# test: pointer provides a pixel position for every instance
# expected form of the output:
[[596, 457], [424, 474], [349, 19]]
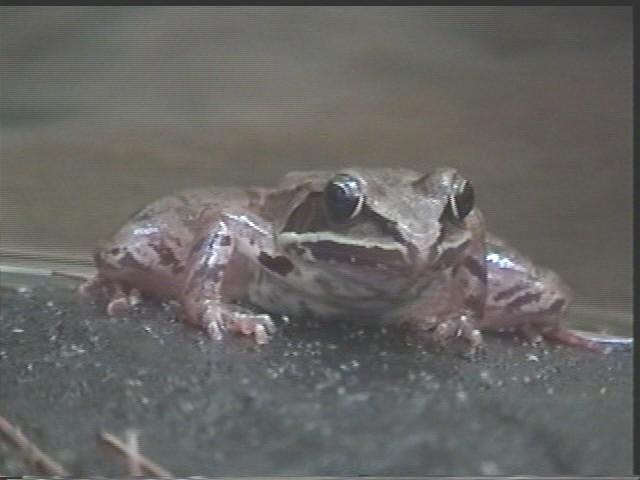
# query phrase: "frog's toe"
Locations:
[[213, 329], [117, 306], [218, 319], [458, 331], [258, 325], [575, 339], [121, 299], [93, 286], [211, 322]]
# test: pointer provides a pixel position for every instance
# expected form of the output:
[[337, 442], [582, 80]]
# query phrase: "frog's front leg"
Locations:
[[221, 265], [459, 302], [527, 299]]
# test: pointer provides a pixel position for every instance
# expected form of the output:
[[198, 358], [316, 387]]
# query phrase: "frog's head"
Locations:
[[377, 222]]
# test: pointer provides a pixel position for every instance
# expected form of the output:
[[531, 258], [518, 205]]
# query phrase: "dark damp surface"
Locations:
[[319, 399]]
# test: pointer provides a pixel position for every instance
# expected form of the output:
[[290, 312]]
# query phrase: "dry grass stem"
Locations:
[[32, 452], [135, 469], [134, 456]]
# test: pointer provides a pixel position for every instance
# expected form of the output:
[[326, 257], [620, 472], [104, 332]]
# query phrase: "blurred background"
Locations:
[[103, 109]]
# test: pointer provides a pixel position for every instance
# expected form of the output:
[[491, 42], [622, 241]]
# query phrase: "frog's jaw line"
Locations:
[[328, 247], [286, 239], [452, 246]]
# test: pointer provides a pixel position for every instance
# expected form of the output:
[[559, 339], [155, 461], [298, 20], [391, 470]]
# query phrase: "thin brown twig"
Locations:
[[72, 276], [148, 465], [33, 453]]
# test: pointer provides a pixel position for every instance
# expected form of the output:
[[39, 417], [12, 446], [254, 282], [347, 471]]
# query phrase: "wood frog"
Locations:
[[374, 245]]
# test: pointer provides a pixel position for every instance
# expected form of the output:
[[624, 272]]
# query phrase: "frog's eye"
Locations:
[[343, 197], [460, 204]]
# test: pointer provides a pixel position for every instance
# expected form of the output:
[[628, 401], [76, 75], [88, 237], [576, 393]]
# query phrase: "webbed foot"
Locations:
[[120, 297], [218, 319], [457, 333]]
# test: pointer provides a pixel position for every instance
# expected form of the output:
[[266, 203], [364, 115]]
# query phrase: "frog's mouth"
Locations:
[[329, 248]]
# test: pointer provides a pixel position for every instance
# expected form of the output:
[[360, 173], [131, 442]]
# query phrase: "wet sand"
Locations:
[[319, 399]]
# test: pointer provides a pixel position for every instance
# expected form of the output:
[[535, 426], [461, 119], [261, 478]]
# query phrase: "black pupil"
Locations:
[[461, 204], [342, 197], [464, 201]]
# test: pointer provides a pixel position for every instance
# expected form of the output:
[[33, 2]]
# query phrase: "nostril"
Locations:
[[103, 257], [97, 258]]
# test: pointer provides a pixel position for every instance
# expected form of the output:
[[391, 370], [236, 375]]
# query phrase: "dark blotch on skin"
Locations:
[[475, 304], [166, 255], [280, 265], [450, 255], [198, 245], [556, 306], [508, 292], [218, 240], [130, 261], [296, 250], [178, 269], [525, 299], [477, 269]]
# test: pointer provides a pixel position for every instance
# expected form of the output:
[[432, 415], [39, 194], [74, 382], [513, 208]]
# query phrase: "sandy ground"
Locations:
[[316, 400]]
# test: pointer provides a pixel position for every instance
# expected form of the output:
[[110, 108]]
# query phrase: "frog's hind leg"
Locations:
[[528, 300], [571, 338]]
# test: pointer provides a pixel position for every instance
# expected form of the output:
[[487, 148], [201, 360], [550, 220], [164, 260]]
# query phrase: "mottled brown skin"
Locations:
[[414, 251]]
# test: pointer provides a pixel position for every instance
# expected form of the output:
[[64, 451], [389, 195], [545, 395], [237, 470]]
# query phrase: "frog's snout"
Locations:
[[106, 257]]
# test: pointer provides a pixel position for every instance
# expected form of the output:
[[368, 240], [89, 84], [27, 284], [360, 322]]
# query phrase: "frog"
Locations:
[[389, 246]]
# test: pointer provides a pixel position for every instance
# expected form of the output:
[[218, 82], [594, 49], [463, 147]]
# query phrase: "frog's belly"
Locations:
[[326, 297]]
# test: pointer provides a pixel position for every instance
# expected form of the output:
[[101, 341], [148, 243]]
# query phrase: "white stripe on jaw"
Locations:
[[287, 238], [448, 244], [245, 221]]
